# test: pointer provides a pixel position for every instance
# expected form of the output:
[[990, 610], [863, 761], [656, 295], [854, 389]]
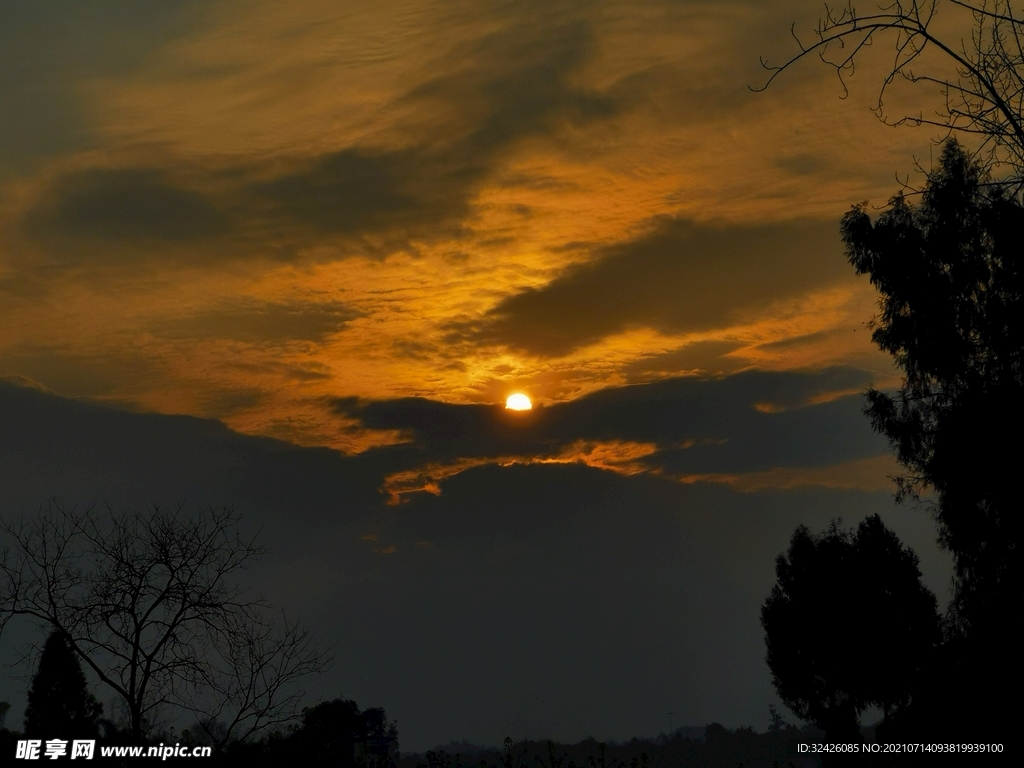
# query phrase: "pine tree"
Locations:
[[59, 703]]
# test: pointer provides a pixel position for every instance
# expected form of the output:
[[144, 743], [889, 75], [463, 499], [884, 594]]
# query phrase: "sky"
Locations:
[[294, 257]]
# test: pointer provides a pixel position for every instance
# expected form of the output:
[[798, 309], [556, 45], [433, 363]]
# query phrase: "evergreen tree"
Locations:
[[59, 703], [951, 279]]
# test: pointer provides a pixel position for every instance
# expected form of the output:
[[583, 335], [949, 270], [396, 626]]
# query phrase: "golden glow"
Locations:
[[627, 458], [518, 402], [264, 317], [620, 456]]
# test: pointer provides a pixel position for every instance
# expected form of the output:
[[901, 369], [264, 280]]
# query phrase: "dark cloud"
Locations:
[[49, 49], [704, 356], [379, 199], [227, 401], [591, 602], [127, 205], [495, 91], [508, 85], [87, 453], [747, 422], [80, 372], [678, 277], [263, 321], [801, 164], [349, 192], [517, 82], [407, 349]]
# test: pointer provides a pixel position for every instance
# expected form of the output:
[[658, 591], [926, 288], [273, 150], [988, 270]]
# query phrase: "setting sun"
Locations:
[[518, 402]]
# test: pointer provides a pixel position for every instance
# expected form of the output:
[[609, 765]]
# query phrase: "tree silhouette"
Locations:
[[337, 732], [983, 96], [848, 625], [149, 602], [59, 702], [952, 316]]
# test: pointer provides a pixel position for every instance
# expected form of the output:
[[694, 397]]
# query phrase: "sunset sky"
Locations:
[[357, 227]]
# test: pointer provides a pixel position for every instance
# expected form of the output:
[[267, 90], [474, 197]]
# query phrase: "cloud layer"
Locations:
[[422, 199]]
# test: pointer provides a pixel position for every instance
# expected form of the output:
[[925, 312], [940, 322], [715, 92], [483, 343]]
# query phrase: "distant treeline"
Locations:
[[715, 746], [339, 734]]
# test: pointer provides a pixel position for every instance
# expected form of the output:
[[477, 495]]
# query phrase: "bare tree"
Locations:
[[984, 95], [150, 603]]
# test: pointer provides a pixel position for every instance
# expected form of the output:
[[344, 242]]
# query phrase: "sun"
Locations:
[[518, 402]]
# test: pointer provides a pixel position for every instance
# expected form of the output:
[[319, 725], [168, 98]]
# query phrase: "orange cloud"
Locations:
[[873, 473], [400, 200], [615, 456]]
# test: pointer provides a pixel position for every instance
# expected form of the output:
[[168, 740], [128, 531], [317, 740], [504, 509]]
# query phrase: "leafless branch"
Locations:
[[986, 96], [149, 602]]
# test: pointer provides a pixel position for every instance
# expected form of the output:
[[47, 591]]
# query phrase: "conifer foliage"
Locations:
[[951, 280], [59, 702]]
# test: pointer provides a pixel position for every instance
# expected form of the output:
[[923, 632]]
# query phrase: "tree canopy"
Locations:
[[952, 316], [333, 732], [848, 625], [948, 270]]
